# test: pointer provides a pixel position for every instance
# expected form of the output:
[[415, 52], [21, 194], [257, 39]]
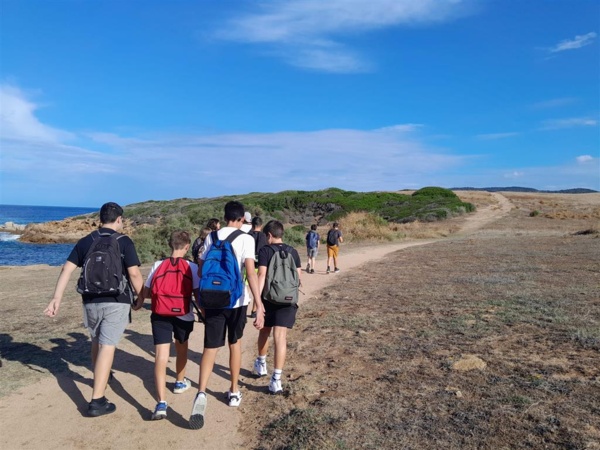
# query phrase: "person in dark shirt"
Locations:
[[105, 316]]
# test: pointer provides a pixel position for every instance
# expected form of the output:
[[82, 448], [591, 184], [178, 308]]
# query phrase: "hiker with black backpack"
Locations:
[[334, 239], [171, 284], [110, 274], [260, 240], [279, 269], [224, 298]]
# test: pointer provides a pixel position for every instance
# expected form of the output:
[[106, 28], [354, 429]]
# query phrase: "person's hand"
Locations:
[[259, 321], [138, 304], [52, 308]]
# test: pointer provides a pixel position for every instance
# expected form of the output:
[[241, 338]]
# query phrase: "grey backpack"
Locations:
[[282, 283]]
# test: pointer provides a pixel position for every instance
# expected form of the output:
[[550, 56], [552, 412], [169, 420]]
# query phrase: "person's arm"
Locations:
[[259, 322], [61, 284], [136, 279], [341, 238]]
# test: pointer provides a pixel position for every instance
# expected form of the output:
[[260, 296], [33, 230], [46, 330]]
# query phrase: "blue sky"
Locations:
[[130, 101]]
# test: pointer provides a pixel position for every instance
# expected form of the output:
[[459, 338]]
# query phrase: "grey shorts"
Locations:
[[106, 322], [312, 252]]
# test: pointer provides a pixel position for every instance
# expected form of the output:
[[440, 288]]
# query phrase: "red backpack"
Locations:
[[172, 288]]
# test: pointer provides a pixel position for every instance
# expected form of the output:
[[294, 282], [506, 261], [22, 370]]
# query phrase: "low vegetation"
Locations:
[[364, 215]]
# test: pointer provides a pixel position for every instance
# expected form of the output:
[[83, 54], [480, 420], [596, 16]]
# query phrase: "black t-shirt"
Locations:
[[260, 240], [333, 236], [267, 252], [129, 256]]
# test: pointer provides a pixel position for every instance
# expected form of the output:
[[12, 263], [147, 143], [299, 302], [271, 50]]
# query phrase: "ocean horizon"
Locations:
[[16, 253]]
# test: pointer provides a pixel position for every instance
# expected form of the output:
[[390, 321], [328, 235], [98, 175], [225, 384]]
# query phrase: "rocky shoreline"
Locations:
[[65, 231]]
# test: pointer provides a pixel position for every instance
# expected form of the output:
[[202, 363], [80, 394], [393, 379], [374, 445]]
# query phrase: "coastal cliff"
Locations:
[[63, 231]]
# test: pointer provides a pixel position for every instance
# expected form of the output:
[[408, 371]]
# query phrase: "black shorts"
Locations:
[[279, 315], [164, 328], [219, 322]]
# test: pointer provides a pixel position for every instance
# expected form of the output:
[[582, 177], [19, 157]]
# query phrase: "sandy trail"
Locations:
[[51, 413]]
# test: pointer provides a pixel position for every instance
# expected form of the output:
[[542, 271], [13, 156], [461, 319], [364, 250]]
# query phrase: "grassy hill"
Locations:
[[155, 220]]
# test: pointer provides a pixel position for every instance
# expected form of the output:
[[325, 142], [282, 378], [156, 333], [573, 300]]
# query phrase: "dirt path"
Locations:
[[51, 413]]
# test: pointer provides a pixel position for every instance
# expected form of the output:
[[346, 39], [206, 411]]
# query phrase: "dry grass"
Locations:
[[372, 361]]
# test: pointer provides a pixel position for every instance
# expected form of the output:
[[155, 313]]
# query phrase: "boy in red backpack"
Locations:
[[171, 284]]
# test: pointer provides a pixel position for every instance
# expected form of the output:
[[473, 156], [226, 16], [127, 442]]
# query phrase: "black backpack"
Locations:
[[102, 270], [332, 237]]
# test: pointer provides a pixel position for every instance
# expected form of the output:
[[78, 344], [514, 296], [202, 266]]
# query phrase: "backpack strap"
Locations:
[[233, 235]]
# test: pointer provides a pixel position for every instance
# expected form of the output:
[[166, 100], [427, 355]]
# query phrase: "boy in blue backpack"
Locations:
[[312, 248], [171, 283], [225, 319], [279, 316]]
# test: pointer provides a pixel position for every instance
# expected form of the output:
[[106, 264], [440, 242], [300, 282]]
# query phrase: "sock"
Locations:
[[277, 374], [262, 359]]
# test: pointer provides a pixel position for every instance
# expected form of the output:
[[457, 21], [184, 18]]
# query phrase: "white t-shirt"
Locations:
[[195, 284], [246, 227], [243, 247]]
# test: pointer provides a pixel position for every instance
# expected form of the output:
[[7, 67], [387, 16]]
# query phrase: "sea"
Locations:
[[16, 253]]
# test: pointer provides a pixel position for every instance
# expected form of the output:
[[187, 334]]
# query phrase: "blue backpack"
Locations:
[[221, 283], [312, 239]]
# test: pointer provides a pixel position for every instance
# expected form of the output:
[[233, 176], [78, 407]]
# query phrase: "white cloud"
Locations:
[[575, 43], [308, 33], [495, 136], [18, 121], [584, 159], [556, 124], [515, 174], [554, 103]]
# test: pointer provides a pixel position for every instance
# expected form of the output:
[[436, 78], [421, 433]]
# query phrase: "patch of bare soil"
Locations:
[[490, 340]]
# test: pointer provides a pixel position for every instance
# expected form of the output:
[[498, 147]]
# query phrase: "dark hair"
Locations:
[[274, 228], [110, 212], [256, 222], [335, 224], [234, 211], [213, 224], [313, 227], [205, 232], [179, 239]]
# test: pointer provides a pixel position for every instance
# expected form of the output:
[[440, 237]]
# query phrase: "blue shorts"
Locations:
[[106, 321], [312, 252]]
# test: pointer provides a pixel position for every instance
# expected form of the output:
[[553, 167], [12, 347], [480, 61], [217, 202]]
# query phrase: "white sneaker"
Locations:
[[182, 386], [275, 386], [260, 368], [198, 410], [234, 398]]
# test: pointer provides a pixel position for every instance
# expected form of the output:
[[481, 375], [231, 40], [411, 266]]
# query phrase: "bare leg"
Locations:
[[263, 341], [280, 340], [182, 358], [160, 370], [235, 364], [207, 364], [102, 364]]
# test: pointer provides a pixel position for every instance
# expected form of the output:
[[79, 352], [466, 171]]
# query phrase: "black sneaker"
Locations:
[[96, 409], [312, 270]]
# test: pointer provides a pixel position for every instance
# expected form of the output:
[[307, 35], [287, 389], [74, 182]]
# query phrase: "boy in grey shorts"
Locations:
[[104, 316]]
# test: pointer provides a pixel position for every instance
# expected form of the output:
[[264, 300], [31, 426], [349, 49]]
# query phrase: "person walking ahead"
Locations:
[[334, 239], [106, 303]]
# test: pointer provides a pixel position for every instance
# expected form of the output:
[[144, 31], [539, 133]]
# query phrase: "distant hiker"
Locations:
[[171, 284], [106, 302], [211, 225], [334, 238], [279, 270], [198, 246], [313, 240], [247, 225], [225, 313], [260, 240]]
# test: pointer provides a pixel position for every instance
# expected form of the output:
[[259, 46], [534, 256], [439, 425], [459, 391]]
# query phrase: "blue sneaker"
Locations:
[[160, 412], [182, 386]]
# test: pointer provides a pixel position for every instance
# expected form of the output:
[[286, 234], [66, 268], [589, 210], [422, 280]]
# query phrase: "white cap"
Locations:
[[247, 217]]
